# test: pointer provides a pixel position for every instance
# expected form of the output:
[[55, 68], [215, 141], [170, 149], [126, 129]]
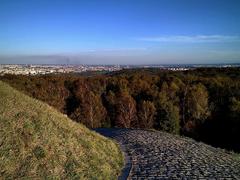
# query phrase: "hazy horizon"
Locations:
[[73, 60], [120, 32]]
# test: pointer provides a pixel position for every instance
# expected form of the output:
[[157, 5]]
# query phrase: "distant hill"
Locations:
[[36, 141]]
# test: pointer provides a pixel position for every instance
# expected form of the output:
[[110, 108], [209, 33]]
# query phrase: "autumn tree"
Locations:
[[109, 101], [146, 114], [234, 122], [125, 110], [167, 111], [90, 111], [235, 107], [196, 105]]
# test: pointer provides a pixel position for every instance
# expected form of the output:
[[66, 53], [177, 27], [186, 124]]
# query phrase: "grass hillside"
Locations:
[[36, 141]]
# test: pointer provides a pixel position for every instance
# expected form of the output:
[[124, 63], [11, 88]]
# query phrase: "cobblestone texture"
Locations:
[[159, 155]]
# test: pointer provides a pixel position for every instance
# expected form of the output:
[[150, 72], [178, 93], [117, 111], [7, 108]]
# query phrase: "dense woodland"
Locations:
[[203, 103]]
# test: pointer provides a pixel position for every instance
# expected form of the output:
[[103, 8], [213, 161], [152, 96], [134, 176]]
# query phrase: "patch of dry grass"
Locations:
[[36, 141]]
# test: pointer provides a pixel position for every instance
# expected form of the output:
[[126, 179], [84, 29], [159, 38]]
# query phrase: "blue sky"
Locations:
[[120, 31]]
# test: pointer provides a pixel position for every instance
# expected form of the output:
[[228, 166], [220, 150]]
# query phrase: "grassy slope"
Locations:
[[38, 141]]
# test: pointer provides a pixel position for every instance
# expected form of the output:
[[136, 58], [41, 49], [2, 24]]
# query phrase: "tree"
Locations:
[[234, 119], [167, 111], [125, 110], [235, 107], [146, 113], [196, 104], [109, 101], [90, 111]]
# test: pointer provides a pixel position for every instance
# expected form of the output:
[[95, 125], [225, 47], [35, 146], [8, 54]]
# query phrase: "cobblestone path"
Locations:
[[159, 155]]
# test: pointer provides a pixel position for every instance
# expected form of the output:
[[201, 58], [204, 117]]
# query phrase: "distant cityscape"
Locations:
[[38, 69], [52, 69]]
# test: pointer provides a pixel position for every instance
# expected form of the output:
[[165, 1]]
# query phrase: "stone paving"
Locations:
[[159, 155]]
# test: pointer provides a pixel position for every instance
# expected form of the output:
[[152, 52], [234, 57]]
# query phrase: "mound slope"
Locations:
[[36, 141]]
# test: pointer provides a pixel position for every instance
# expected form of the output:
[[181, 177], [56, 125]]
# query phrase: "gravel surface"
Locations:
[[159, 155]]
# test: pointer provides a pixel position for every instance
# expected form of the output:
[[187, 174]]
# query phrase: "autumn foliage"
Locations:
[[201, 103]]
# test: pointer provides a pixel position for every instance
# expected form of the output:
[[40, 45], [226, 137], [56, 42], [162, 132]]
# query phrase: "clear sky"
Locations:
[[120, 31]]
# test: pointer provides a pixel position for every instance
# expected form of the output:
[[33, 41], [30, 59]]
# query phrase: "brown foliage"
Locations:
[[126, 110], [146, 114]]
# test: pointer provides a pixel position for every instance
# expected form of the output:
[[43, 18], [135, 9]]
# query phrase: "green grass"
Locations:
[[36, 141]]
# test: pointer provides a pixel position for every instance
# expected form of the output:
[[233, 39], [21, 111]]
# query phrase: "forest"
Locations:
[[202, 103]]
